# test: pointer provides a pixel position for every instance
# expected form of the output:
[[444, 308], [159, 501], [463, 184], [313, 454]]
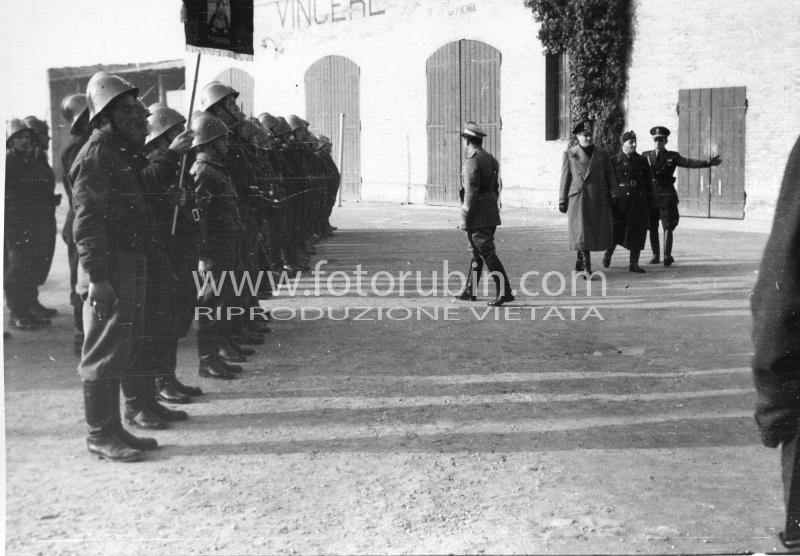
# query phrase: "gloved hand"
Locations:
[[714, 160], [562, 207], [57, 199]]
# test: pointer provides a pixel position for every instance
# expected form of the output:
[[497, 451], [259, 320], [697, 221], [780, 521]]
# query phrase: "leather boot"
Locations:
[[503, 287], [668, 260], [607, 257], [227, 353], [166, 414], [587, 261], [634, 262], [136, 442], [185, 389], [242, 350], [579, 261], [139, 390], [213, 367], [654, 244], [103, 440], [167, 392], [473, 279]]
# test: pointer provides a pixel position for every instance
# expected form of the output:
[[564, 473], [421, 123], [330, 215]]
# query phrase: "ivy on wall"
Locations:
[[597, 36]]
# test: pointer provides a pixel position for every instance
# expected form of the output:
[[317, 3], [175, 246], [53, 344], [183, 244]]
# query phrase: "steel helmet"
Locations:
[[14, 127], [161, 119], [206, 128], [268, 121], [283, 127], [152, 107], [102, 89], [215, 92], [296, 122], [38, 126], [72, 107]]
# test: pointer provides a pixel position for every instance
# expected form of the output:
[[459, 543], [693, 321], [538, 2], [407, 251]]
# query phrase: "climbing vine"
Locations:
[[597, 36]]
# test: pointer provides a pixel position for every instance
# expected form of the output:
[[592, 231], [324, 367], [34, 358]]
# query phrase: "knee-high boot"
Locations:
[[101, 416], [668, 260], [587, 261], [501, 281], [634, 261], [654, 244], [473, 279]]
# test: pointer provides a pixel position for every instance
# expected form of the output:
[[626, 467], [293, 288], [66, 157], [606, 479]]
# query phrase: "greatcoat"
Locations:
[[586, 185]]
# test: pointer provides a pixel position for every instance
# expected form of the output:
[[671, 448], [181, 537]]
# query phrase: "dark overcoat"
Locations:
[[480, 188], [586, 185], [631, 196], [776, 316]]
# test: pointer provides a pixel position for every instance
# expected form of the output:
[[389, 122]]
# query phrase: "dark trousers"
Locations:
[[210, 329], [19, 279], [44, 245], [74, 299], [108, 345], [481, 246]]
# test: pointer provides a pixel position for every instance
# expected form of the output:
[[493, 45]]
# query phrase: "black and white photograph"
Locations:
[[312, 277]]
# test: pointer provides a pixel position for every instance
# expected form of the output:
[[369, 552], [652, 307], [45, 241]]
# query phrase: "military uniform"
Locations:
[[630, 197], [220, 231], [77, 141], [587, 179], [28, 217], [664, 207], [480, 215]]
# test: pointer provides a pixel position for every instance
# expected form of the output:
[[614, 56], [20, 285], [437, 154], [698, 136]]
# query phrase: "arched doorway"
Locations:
[[332, 88], [463, 84], [242, 82]]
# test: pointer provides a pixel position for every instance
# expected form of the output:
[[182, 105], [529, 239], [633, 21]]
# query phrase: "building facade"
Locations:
[[406, 74]]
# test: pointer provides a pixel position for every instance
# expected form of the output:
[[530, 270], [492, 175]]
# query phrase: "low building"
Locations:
[[406, 74], [155, 81]]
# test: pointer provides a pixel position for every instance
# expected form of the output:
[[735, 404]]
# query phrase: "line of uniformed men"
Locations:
[[152, 202]]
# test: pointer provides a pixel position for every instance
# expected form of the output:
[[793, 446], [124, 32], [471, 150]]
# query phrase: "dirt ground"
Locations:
[[498, 434]]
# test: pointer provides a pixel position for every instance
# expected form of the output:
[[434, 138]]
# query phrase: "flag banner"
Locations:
[[221, 27]]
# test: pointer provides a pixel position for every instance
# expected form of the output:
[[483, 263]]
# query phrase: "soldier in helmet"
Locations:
[[220, 231], [281, 165], [665, 199], [44, 233], [298, 183], [28, 198], [333, 179], [220, 101], [169, 304], [115, 235], [480, 215], [76, 114]]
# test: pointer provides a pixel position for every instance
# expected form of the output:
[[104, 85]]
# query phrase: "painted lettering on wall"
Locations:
[[296, 14], [462, 10]]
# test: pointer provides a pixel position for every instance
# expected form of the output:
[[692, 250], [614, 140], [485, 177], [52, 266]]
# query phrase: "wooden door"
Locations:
[[712, 121], [463, 84], [332, 88]]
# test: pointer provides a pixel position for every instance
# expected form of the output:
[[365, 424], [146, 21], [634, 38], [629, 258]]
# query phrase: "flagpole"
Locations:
[[188, 126]]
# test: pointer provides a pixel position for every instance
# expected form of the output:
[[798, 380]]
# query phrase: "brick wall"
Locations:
[[710, 44]]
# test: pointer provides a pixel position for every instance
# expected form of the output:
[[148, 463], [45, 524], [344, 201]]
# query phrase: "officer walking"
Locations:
[[665, 199], [76, 113], [480, 215], [114, 235], [587, 179], [630, 201]]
